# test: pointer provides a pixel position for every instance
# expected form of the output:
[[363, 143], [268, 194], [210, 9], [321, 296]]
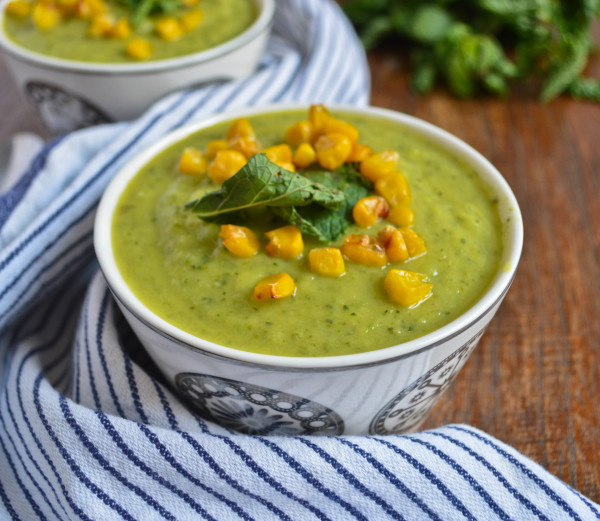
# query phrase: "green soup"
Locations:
[[222, 21], [176, 266]]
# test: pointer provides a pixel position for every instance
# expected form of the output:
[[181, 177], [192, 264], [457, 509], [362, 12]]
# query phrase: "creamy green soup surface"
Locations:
[[175, 264], [69, 39]]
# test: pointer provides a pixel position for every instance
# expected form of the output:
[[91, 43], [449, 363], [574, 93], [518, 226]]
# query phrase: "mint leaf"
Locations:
[[328, 224], [319, 202], [262, 183]]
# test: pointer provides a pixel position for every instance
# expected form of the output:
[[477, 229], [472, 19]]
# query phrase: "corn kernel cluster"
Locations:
[[328, 142], [102, 23]]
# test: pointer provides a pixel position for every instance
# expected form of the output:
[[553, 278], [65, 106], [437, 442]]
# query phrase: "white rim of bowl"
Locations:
[[507, 204], [262, 23]]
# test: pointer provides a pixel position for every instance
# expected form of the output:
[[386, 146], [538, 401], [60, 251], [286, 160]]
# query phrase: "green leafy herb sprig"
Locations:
[[484, 45], [318, 202], [141, 9]]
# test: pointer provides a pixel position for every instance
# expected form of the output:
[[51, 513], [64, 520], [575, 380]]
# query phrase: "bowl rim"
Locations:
[[262, 23], [512, 242]]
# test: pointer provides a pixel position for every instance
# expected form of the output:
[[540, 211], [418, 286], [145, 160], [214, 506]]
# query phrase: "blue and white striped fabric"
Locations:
[[88, 431]]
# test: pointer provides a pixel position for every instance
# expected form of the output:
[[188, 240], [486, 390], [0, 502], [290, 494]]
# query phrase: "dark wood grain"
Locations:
[[534, 380]]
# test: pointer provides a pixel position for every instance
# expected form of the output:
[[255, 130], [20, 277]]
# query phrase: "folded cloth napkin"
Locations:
[[89, 431]]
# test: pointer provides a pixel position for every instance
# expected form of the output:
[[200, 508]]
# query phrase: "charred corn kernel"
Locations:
[[368, 210], [285, 242], [121, 30], [239, 240], [18, 8], [169, 29], [45, 17], [100, 25], [394, 188], [275, 287], [241, 127], [414, 243], [215, 146], [393, 242], [139, 49], [359, 153], [193, 162], [247, 145], [318, 116], [379, 165], [225, 164], [332, 150], [327, 261], [279, 154], [401, 215], [337, 126], [305, 155], [192, 19], [406, 288], [298, 133], [364, 249]]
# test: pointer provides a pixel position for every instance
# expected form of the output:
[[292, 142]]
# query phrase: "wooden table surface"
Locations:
[[534, 380]]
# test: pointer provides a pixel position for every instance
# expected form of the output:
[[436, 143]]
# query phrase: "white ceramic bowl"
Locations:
[[69, 94], [390, 390]]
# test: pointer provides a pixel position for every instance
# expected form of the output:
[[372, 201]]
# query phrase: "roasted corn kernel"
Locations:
[[318, 116], [121, 30], [139, 49], [193, 162], [285, 242], [241, 127], [247, 145], [407, 288], [364, 249], [359, 153], [401, 215], [279, 154], [368, 210], [192, 19], [215, 146], [226, 164], [276, 286], [337, 126], [45, 17], [394, 244], [100, 25], [239, 240], [327, 261], [414, 243], [394, 188], [304, 156], [379, 165], [18, 8], [169, 29], [332, 150], [298, 133]]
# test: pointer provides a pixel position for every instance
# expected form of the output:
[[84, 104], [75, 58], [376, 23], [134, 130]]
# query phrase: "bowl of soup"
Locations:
[[322, 270], [85, 62]]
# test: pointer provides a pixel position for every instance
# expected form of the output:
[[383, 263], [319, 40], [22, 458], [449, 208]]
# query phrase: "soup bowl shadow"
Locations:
[[386, 391], [69, 94]]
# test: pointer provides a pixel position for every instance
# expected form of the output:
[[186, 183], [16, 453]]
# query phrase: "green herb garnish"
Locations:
[[484, 45], [318, 202], [141, 9]]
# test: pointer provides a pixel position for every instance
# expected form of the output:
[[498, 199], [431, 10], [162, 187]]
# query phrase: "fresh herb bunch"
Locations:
[[141, 9], [482, 45]]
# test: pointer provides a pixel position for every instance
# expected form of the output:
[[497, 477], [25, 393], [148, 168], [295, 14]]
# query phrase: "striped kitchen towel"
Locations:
[[88, 430]]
